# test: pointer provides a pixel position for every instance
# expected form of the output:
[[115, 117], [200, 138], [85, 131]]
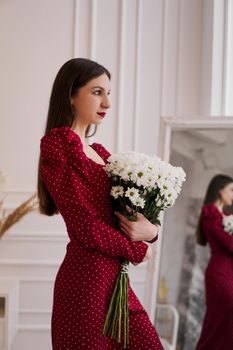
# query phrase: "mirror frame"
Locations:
[[167, 126]]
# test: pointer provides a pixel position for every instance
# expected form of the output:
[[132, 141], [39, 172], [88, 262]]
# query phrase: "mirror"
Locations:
[[202, 151]]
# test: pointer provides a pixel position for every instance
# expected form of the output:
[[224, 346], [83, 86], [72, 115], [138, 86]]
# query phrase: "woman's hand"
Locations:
[[148, 254], [140, 230]]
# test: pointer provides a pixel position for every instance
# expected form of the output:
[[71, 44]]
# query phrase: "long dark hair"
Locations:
[[217, 183], [73, 75]]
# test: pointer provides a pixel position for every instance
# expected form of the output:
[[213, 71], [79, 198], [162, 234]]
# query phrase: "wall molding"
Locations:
[[32, 235], [36, 280], [75, 29], [162, 57], [137, 75], [34, 311], [25, 327], [121, 71], [92, 40], [178, 31], [29, 262], [34, 317], [53, 263]]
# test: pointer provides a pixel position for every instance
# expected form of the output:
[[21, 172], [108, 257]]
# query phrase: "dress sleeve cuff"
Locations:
[[153, 240]]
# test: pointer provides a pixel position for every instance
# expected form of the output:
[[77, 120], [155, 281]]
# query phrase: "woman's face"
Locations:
[[91, 101], [226, 194]]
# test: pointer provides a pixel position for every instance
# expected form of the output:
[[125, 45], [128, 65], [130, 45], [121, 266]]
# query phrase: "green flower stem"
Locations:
[[118, 311]]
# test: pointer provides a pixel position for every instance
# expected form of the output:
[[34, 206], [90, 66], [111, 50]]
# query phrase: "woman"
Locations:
[[72, 181], [217, 330]]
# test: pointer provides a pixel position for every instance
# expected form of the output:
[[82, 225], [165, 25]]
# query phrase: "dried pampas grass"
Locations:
[[6, 221]]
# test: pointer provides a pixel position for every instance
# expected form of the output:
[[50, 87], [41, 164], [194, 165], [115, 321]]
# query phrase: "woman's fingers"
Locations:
[[121, 217], [124, 229], [132, 234], [124, 220], [129, 210], [140, 230]]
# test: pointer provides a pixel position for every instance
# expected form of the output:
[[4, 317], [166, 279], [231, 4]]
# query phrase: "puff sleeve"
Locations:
[[65, 175], [211, 222]]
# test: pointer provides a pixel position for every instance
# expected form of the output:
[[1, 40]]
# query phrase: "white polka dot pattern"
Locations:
[[80, 188]]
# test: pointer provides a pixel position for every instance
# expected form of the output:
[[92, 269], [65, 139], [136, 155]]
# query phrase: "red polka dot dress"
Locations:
[[217, 330], [85, 280]]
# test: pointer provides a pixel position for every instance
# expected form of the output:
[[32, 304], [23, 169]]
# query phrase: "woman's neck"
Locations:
[[219, 205], [81, 131]]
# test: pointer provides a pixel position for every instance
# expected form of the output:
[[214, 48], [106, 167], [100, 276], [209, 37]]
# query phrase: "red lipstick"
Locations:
[[102, 114]]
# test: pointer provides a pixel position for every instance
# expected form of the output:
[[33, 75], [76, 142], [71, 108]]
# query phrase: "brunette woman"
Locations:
[[73, 182]]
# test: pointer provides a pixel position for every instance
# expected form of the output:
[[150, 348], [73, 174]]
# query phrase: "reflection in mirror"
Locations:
[[202, 153]]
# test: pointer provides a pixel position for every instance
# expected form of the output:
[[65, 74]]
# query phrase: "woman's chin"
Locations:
[[98, 121]]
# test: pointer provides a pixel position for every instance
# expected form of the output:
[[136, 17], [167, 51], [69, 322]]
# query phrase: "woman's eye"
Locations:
[[97, 92]]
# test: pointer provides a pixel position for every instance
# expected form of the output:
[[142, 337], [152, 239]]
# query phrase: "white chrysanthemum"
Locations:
[[164, 187], [138, 176], [228, 224], [117, 191], [133, 194], [170, 198], [126, 174], [139, 202], [147, 173]]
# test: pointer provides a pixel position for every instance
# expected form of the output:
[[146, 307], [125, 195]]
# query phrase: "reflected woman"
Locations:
[[217, 330]]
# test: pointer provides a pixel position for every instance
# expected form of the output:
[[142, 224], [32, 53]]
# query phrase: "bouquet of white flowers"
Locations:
[[147, 185], [228, 224]]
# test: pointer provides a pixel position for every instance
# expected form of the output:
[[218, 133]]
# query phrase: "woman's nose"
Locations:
[[106, 102]]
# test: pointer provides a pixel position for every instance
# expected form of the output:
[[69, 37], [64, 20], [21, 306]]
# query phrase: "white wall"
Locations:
[[35, 38], [182, 57], [153, 49]]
